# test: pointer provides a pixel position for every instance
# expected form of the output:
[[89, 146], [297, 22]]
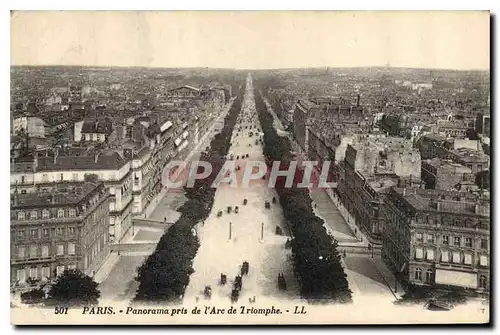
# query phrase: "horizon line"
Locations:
[[254, 69]]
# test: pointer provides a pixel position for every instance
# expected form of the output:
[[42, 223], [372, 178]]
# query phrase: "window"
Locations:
[[45, 232], [419, 253], [20, 216], [33, 251], [482, 281], [456, 241], [45, 214], [71, 231], [483, 260], [456, 257], [20, 252], [33, 215], [430, 254], [418, 274], [484, 244], [446, 239], [430, 238], [71, 248], [60, 269], [428, 276], [445, 256], [20, 235], [419, 237], [468, 259], [72, 213], [45, 272], [34, 233], [45, 251], [60, 213], [33, 272], [468, 242], [21, 275], [59, 231], [60, 250]]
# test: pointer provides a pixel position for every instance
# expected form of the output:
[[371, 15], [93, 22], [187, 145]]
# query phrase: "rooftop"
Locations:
[[61, 194], [449, 165]]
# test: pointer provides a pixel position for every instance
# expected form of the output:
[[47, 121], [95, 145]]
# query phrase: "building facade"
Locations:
[[64, 227], [437, 238]]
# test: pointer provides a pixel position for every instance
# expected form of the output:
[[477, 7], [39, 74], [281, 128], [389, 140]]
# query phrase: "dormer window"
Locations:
[[60, 213], [45, 214], [72, 213]]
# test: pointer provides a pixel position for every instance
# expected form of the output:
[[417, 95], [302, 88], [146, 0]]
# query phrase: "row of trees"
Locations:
[[317, 262], [164, 276]]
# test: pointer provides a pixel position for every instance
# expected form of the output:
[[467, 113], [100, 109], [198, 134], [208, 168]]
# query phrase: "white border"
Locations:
[[192, 5]]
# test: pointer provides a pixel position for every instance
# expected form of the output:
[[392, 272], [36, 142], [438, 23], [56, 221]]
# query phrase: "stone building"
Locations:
[[63, 227], [431, 146], [437, 238], [445, 175], [370, 168]]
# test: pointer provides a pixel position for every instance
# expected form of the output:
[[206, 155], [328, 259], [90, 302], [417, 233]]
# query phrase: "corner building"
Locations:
[[438, 238], [65, 227]]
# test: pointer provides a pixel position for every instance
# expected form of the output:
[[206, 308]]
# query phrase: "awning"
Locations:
[[456, 278], [185, 135]]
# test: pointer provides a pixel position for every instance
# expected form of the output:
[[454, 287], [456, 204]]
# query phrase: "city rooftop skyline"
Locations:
[[252, 40]]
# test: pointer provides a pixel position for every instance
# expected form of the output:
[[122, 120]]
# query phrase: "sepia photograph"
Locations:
[[250, 167]]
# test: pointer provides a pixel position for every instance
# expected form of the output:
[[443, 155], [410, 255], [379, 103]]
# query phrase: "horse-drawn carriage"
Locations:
[[207, 292], [237, 283], [235, 294], [223, 279], [274, 200], [267, 205], [245, 201], [219, 214], [236, 209], [244, 268], [229, 209], [281, 282]]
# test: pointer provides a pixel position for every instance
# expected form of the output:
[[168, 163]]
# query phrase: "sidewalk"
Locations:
[[351, 222], [106, 267]]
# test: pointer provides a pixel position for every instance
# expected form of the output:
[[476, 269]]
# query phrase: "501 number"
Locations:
[[61, 310]]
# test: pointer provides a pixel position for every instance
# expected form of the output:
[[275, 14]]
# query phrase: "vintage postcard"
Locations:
[[245, 168]]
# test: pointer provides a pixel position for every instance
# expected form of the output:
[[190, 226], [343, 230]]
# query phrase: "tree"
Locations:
[[74, 288], [164, 276], [315, 255]]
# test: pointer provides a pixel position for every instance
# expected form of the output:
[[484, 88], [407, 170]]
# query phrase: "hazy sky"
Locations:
[[453, 40]]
